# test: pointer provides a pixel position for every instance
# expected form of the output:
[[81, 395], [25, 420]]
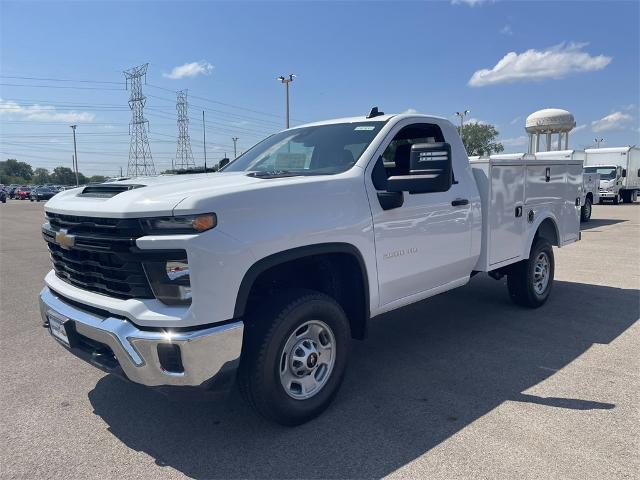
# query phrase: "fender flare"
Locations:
[[285, 256], [534, 230]]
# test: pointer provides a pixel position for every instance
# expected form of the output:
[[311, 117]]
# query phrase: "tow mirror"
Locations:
[[223, 163], [430, 170], [624, 172]]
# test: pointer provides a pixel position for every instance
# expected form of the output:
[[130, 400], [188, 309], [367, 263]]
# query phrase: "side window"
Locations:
[[395, 159]]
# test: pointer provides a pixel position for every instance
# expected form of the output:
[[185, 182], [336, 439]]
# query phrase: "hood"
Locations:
[[159, 196], [607, 183], [151, 196]]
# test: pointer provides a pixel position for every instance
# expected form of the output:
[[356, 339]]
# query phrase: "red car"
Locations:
[[22, 194]]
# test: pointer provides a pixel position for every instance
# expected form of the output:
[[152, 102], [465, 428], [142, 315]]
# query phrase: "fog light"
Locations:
[[170, 281]]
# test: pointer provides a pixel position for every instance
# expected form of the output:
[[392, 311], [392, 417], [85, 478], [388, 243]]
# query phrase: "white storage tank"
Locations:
[[549, 122]]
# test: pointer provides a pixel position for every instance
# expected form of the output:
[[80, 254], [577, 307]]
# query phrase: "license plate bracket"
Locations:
[[58, 327]]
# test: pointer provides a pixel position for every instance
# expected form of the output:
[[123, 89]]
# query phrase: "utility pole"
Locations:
[[287, 81], [75, 153], [235, 140], [462, 115], [599, 141], [121, 171], [204, 142]]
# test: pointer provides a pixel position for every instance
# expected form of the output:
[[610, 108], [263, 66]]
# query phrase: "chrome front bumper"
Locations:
[[206, 355]]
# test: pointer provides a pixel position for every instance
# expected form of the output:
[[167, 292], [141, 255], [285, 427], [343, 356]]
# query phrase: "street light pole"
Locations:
[[287, 81], [75, 153], [204, 142], [599, 141], [462, 115], [235, 140]]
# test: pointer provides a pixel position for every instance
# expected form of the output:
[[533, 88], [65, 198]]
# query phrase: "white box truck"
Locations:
[[264, 274], [619, 170], [590, 185]]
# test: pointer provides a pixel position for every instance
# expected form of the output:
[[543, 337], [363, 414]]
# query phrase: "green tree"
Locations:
[[97, 179], [480, 139], [21, 172], [40, 176], [63, 176]]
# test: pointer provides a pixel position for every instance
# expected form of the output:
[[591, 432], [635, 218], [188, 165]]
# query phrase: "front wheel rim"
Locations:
[[541, 273], [588, 209], [307, 359]]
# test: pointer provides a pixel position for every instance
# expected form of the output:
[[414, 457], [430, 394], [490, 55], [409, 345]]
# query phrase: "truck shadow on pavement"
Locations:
[[599, 222], [425, 373]]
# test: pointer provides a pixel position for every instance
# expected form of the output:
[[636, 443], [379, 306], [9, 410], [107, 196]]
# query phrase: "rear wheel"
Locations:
[[294, 356], [530, 281], [627, 196], [585, 211]]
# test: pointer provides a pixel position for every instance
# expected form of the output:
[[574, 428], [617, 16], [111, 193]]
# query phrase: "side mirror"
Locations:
[[223, 163], [624, 172], [430, 170]]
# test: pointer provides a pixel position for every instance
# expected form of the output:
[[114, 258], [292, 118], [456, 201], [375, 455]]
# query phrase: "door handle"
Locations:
[[459, 202]]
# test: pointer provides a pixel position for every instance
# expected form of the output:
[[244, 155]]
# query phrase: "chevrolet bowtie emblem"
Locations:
[[65, 240]]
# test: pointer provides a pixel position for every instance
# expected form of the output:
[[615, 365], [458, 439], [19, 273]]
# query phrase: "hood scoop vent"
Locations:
[[106, 190]]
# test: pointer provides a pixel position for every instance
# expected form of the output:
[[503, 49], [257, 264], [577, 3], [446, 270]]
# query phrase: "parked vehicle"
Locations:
[[266, 270], [21, 193], [3, 196], [589, 191], [619, 170], [42, 193], [12, 190]]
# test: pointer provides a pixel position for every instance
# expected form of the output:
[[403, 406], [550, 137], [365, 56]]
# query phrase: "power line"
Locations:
[[59, 79]]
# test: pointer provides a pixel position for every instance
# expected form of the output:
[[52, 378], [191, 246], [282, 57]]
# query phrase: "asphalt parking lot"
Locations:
[[464, 385]]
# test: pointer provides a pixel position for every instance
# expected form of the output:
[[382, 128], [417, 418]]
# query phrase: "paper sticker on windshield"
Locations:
[[365, 127]]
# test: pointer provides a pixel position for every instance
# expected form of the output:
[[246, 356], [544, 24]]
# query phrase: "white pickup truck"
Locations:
[[265, 271]]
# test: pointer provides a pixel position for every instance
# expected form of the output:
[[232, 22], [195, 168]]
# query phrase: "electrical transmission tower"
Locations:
[[140, 161], [184, 156]]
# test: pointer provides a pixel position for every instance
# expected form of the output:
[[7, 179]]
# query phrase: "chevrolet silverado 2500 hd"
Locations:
[[264, 272]]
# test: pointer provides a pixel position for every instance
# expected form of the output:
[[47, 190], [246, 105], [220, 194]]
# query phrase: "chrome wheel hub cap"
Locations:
[[307, 360], [541, 273]]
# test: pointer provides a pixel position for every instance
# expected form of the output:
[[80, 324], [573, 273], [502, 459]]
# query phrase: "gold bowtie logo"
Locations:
[[65, 240]]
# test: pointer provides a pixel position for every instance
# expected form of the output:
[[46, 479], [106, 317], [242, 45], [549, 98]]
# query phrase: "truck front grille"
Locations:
[[103, 258]]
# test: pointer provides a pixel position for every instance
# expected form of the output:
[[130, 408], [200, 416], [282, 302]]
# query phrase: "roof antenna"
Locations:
[[374, 113]]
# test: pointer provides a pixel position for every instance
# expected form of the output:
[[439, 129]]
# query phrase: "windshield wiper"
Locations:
[[274, 174]]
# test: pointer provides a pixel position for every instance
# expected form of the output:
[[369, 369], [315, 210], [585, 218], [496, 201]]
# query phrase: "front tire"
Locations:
[[294, 356], [530, 281], [585, 211], [616, 199]]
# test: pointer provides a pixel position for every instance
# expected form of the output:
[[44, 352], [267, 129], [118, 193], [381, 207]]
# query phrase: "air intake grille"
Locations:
[[106, 190]]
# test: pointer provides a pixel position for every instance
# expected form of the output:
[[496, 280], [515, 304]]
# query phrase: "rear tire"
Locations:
[[585, 211], [530, 281], [626, 196], [283, 374]]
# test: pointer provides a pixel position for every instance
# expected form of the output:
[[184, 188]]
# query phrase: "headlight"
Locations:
[[170, 281], [179, 224]]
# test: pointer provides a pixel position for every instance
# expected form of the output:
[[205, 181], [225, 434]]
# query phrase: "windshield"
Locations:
[[319, 150], [606, 173]]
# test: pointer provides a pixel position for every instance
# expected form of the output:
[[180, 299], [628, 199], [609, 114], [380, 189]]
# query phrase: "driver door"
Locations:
[[425, 243]]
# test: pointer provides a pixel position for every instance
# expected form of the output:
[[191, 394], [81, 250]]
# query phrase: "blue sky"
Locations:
[[581, 56]]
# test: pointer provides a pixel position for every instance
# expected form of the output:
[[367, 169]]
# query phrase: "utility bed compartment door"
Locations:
[[505, 213]]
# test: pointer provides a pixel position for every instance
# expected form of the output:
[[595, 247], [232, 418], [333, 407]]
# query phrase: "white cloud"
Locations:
[[410, 110], [579, 127], [506, 30], [614, 121], [192, 69], [555, 62], [475, 120], [42, 113], [515, 120], [471, 3], [515, 142]]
